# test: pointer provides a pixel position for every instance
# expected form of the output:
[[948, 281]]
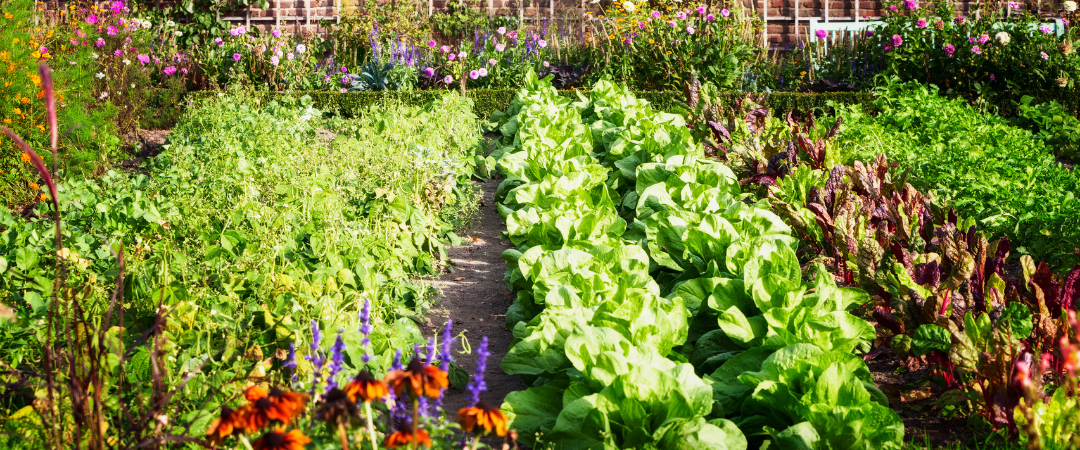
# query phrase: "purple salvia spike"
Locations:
[[477, 385], [337, 358], [447, 341]]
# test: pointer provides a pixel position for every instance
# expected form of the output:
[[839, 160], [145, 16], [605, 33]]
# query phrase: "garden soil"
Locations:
[[474, 296]]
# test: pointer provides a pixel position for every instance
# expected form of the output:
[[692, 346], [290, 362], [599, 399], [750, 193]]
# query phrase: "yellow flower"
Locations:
[[25, 100], [652, 41], [18, 111], [7, 120], [8, 15], [803, 73], [36, 54], [42, 128], [44, 198], [668, 52], [15, 41], [601, 16]]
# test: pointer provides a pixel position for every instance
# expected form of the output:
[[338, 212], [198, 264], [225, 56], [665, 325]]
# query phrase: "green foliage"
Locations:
[[997, 174], [1052, 124]]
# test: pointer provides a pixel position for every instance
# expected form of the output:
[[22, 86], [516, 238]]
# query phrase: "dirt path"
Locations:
[[474, 296]]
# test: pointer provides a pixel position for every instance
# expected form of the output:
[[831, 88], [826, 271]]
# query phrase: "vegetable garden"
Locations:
[[693, 258]]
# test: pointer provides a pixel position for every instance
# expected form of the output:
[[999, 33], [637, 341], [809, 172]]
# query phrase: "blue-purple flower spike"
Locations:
[[291, 362], [447, 341], [337, 358], [365, 328], [477, 385], [315, 358]]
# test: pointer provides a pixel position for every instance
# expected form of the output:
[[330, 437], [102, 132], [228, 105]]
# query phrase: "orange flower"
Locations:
[[25, 157], [44, 198], [34, 186], [405, 435], [482, 414], [421, 379], [224, 425], [266, 406], [280, 440], [365, 388]]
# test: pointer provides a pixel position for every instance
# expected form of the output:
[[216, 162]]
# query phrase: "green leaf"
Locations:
[[930, 337]]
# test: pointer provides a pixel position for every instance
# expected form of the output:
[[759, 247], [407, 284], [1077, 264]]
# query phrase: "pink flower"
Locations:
[[991, 77], [274, 60], [976, 50], [897, 40], [117, 7], [499, 47], [690, 30], [680, 15], [501, 30], [724, 12], [343, 90], [821, 34], [474, 74], [111, 31], [448, 79], [92, 19], [451, 56], [444, 49], [73, 41], [971, 40], [983, 38], [219, 42], [911, 4], [431, 43], [289, 56], [169, 70], [143, 59], [921, 23], [892, 8], [710, 17], [429, 72], [1045, 29], [118, 52], [183, 71], [1014, 5], [655, 14], [960, 21], [1044, 56], [672, 24], [949, 49], [483, 72], [545, 64], [541, 43], [236, 57], [701, 10], [276, 33], [628, 41], [492, 62]]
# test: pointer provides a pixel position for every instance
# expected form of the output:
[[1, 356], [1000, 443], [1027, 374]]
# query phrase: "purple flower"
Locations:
[[315, 358], [143, 59], [219, 42], [236, 57], [976, 50], [949, 49], [655, 14], [337, 358], [991, 77], [821, 34], [892, 8], [983, 38], [276, 33], [92, 19], [291, 361], [448, 79], [445, 357], [429, 72], [477, 384], [911, 4], [701, 10], [672, 24], [169, 70], [710, 18], [869, 33], [921, 23], [1014, 5], [1045, 29], [451, 56], [897, 40], [111, 31], [724, 12], [474, 74]]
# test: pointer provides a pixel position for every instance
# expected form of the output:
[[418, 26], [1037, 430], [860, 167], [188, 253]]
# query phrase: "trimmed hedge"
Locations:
[[164, 107]]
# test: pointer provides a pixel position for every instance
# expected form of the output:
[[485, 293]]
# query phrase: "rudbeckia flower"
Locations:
[[489, 419], [281, 440], [337, 408], [365, 388], [420, 378], [270, 406], [225, 424], [406, 435]]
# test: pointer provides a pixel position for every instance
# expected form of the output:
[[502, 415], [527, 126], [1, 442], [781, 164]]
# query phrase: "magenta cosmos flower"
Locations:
[[431, 43], [949, 49], [976, 50], [276, 33], [169, 70], [92, 19], [983, 38], [821, 34], [451, 56], [236, 57]]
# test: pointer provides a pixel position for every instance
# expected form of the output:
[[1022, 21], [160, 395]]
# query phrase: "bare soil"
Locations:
[[475, 297]]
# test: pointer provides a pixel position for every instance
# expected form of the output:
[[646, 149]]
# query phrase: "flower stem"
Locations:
[[370, 425], [344, 437], [476, 442], [415, 422]]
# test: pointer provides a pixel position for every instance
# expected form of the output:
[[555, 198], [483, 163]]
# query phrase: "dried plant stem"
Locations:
[[370, 425]]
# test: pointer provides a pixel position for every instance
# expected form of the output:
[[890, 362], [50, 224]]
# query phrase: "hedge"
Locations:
[[163, 107]]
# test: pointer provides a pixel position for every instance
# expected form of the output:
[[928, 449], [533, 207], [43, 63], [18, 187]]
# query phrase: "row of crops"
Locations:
[[658, 305]]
